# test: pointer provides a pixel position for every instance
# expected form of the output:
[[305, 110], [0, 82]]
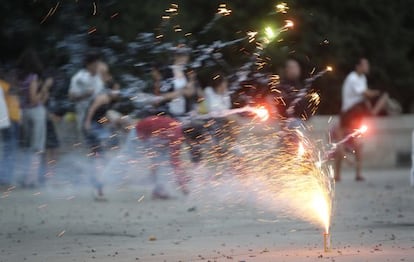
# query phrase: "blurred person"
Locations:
[[358, 101], [176, 84], [412, 160], [223, 129], [99, 126], [163, 136], [293, 100], [175, 88], [293, 105], [10, 134], [84, 85], [179, 89], [4, 125], [106, 77], [34, 92], [54, 113]]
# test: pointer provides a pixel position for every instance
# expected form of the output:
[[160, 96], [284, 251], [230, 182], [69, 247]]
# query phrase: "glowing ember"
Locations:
[[301, 149], [223, 10], [262, 113], [289, 24], [270, 33], [329, 69], [282, 8], [363, 129]]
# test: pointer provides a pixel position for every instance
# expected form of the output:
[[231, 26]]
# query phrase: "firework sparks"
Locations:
[[289, 24], [261, 113], [223, 10], [282, 8]]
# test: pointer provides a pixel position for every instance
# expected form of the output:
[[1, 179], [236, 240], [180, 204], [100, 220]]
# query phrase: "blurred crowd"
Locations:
[[178, 111]]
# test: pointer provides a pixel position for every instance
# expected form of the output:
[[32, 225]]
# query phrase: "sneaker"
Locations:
[[160, 196], [359, 179]]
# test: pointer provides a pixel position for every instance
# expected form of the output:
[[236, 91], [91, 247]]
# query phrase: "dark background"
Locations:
[[326, 32]]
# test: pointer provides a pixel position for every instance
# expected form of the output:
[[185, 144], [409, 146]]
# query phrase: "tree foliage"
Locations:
[[325, 33]]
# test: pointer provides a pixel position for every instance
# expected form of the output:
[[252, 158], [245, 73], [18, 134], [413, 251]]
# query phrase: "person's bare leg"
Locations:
[[381, 104], [337, 165], [339, 154], [358, 164]]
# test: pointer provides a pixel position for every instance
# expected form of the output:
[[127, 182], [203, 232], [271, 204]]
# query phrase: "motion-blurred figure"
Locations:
[[412, 161], [9, 111], [163, 136], [99, 127], [176, 89], [358, 101], [34, 92], [223, 129], [84, 85]]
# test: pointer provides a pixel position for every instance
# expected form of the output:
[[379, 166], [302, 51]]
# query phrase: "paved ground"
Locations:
[[373, 221]]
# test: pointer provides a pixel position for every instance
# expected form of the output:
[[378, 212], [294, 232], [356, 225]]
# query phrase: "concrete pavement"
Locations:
[[373, 221]]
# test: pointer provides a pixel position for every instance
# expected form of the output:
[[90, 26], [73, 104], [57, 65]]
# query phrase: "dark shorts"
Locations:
[[52, 140], [353, 118]]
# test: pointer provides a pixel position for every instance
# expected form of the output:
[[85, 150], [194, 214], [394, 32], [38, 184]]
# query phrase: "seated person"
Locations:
[[358, 101]]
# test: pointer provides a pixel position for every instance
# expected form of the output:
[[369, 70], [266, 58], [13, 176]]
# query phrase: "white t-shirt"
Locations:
[[216, 102], [83, 82], [4, 114], [177, 106], [353, 90]]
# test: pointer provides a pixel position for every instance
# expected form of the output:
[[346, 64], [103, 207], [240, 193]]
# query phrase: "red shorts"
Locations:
[[165, 130]]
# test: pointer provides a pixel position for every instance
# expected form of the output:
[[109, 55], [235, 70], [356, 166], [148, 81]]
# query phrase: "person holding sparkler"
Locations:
[[290, 87], [217, 99], [175, 89], [293, 105], [358, 101]]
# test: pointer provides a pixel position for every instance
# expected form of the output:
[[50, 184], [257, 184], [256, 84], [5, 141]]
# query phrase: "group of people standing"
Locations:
[[27, 124], [24, 115], [25, 94]]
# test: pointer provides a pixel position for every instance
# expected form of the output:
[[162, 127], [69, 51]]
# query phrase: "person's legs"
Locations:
[[96, 157], [193, 134], [80, 119], [380, 104], [412, 160], [10, 138], [37, 117], [358, 161], [337, 135], [161, 134]]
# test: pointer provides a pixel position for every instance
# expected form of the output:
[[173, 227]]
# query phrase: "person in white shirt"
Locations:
[[217, 99], [357, 102], [84, 85], [4, 115]]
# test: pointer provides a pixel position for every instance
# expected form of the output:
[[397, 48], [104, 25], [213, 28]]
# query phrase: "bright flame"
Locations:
[[270, 33], [321, 205], [289, 24], [329, 69], [262, 113], [363, 129], [301, 149]]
